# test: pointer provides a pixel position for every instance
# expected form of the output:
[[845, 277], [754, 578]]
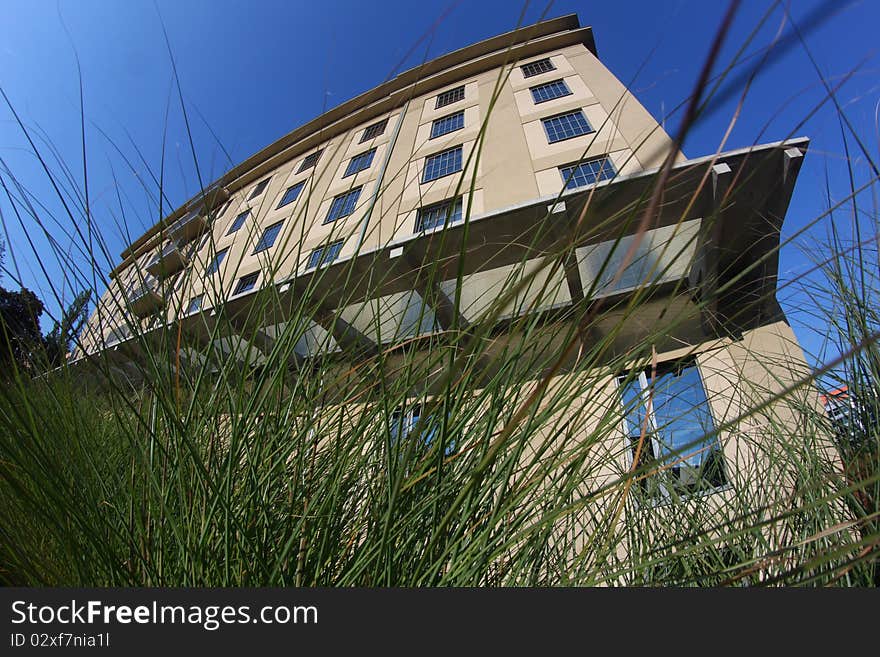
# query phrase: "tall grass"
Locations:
[[480, 450]]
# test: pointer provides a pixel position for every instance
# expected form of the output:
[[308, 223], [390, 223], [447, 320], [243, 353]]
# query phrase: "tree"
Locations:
[[20, 337], [57, 341]]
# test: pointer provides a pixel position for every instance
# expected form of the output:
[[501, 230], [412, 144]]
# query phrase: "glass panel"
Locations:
[[683, 421], [544, 92], [259, 189], [449, 97], [359, 162], [566, 126], [343, 205], [435, 215], [536, 68], [586, 173], [238, 222], [447, 124], [268, 238], [215, 264], [291, 194], [442, 164], [374, 130]]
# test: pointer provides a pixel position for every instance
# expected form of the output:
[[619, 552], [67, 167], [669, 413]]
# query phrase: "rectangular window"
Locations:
[[259, 189], [449, 97], [324, 254], [238, 222], [544, 92], [195, 304], [269, 237], [566, 126], [359, 163], [291, 194], [438, 214], [373, 131], [679, 453], [403, 423], [216, 262], [536, 68], [223, 209], [246, 283], [310, 161], [447, 124], [588, 172], [442, 164], [343, 205]]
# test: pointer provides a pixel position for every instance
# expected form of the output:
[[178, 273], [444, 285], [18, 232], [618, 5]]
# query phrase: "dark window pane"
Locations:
[[544, 92], [442, 164], [373, 131], [291, 194], [449, 97], [324, 254], [536, 68], [310, 161], [436, 215], [238, 222], [259, 189], [566, 126], [269, 237], [195, 304], [246, 283], [216, 262], [447, 124], [359, 163], [343, 205], [586, 173]]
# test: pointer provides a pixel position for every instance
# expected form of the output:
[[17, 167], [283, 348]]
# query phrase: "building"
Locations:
[[515, 178]]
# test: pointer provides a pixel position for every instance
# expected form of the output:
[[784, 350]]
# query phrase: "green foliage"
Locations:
[[216, 456]]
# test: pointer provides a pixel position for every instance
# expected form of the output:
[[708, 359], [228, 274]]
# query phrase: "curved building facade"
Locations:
[[515, 178]]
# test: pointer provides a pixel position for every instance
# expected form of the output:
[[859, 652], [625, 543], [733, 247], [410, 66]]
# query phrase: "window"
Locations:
[[436, 215], [324, 254], [449, 97], [359, 163], [403, 423], [259, 189], [679, 454], [223, 209], [310, 160], [291, 194], [536, 68], [565, 126], [215, 263], [343, 205], [238, 222], [442, 164], [246, 283], [447, 124], [195, 304], [269, 237], [586, 173], [544, 92], [373, 131]]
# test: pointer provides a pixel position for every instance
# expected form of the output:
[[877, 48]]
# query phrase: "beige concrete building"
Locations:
[[514, 178]]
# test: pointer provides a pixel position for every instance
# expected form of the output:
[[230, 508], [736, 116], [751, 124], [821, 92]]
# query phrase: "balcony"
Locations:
[[143, 300], [118, 334], [188, 227], [209, 199], [169, 261]]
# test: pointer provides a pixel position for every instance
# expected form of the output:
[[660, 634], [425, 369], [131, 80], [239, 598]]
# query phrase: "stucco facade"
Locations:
[[705, 259]]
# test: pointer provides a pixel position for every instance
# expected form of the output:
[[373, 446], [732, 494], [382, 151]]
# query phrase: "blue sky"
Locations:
[[250, 72]]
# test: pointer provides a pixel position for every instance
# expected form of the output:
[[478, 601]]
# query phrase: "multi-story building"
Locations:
[[513, 178]]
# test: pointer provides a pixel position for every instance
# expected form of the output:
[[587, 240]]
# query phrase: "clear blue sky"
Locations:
[[252, 71]]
